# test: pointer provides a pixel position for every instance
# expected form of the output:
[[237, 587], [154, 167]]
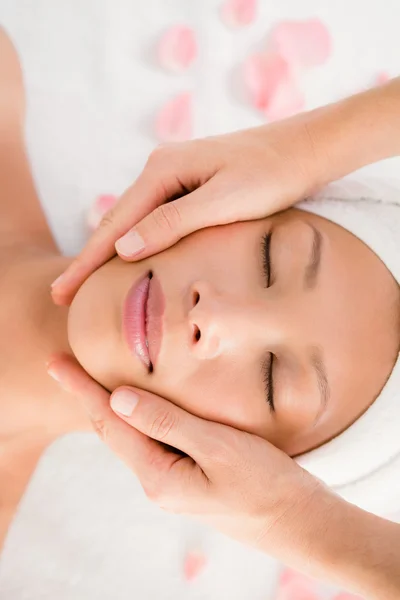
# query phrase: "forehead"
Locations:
[[361, 302]]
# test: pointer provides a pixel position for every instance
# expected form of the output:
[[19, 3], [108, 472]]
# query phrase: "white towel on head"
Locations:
[[362, 464]]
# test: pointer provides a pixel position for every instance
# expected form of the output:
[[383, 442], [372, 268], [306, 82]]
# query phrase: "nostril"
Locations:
[[197, 333], [196, 298]]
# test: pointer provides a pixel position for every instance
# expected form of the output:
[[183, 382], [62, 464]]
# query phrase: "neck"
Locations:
[[69, 415], [45, 410], [34, 411]]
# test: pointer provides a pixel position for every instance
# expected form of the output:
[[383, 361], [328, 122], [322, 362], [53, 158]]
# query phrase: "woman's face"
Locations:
[[282, 327]]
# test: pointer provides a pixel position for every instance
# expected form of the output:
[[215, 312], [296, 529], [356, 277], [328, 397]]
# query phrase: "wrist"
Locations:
[[335, 541], [350, 134]]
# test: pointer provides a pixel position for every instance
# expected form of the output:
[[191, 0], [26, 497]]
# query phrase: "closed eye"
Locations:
[[269, 360], [268, 382], [266, 257]]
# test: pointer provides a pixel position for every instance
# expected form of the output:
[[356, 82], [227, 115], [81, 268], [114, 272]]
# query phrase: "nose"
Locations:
[[212, 318], [220, 322]]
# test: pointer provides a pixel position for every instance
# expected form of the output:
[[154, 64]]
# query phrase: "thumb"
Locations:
[[165, 422], [153, 187], [170, 222], [176, 481]]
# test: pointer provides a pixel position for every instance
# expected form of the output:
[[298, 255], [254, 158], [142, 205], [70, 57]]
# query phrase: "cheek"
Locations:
[[225, 393], [215, 252]]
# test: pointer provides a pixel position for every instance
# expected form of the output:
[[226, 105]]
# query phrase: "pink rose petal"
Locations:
[[287, 101], [298, 591], [174, 122], [294, 585], [293, 577], [99, 208], [271, 86], [238, 13], [290, 575], [177, 48], [382, 78], [346, 596], [193, 565], [302, 43], [263, 74]]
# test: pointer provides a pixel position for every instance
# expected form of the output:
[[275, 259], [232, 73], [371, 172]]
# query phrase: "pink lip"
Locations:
[[142, 319], [154, 321]]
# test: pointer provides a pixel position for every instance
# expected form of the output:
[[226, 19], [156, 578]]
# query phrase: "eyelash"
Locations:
[[267, 368], [266, 247], [269, 388]]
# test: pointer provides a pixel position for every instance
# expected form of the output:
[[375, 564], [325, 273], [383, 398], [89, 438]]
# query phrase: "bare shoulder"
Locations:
[[22, 221], [12, 97]]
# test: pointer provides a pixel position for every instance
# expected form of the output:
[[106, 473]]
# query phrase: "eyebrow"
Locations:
[[312, 268], [310, 279], [318, 365]]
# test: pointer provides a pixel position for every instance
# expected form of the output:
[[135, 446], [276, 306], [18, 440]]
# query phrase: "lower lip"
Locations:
[[154, 318], [134, 319]]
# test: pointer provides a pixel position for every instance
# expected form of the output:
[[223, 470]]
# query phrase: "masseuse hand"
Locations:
[[242, 485], [234, 481], [244, 175], [240, 176]]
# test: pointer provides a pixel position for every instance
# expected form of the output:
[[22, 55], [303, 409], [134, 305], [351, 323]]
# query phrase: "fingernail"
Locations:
[[53, 374], [124, 402], [130, 244], [57, 281]]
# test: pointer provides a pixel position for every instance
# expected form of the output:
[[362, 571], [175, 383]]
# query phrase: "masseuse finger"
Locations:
[[165, 422], [128, 443], [169, 222], [175, 481], [154, 186], [167, 478]]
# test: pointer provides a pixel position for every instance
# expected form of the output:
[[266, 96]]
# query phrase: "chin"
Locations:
[[82, 326], [90, 327], [95, 325]]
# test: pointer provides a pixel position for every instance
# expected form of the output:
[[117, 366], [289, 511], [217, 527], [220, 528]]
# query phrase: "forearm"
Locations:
[[354, 132], [336, 541]]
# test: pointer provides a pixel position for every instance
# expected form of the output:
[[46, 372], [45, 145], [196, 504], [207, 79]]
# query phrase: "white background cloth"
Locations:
[[84, 529]]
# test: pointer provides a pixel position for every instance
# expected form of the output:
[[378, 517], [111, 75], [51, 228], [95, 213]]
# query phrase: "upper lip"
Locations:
[[143, 319]]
